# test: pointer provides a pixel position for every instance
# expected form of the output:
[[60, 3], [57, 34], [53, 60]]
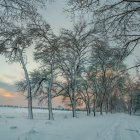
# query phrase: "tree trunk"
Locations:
[[73, 97], [50, 105], [111, 106], [30, 112], [50, 95], [94, 107], [101, 108], [95, 97], [107, 106], [88, 107], [131, 103], [73, 105]]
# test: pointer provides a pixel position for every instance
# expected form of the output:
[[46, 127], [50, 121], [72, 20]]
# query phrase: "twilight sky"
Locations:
[[10, 73]]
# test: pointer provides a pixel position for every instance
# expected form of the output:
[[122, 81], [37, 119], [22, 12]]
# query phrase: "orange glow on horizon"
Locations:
[[6, 93]]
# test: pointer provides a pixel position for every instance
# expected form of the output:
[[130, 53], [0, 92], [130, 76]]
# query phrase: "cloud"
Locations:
[[8, 94], [8, 87], [9, 76], [9, 79], [11, 98]]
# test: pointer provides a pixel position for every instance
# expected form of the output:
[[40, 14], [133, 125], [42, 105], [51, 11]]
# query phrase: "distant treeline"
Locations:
[[63, 109]]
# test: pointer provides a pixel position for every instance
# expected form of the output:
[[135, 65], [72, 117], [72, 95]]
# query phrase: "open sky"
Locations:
[[10, 73]]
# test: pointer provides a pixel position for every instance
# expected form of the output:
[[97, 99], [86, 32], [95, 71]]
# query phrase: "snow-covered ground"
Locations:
[[14, 125]]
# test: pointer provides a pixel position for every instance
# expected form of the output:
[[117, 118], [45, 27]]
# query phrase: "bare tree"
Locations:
[[46, 47], [50, 65], [13, 10], [17, 13], [72, 56], [14, 15], [14, 43], [84, 93], [92, 78], [121, 20], [103, 73], [42, 82]]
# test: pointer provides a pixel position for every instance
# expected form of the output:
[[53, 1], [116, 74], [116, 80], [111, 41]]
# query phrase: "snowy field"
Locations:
[[14, 125]]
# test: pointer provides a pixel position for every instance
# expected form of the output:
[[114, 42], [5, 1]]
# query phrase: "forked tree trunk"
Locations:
[[30, 112]]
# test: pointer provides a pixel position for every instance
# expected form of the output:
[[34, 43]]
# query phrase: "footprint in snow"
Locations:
[[13, 127]]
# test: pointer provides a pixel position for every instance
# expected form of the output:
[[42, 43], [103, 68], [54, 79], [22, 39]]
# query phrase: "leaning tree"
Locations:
[[15, 42]]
